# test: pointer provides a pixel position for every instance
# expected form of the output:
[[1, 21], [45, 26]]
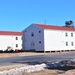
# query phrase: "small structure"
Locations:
[[41, 37], [10, 40]]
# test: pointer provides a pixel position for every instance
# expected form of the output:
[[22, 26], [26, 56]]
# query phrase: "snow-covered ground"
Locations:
[[22, 70]]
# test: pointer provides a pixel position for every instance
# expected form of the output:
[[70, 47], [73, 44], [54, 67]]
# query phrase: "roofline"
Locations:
[[11, 33], [50, 27]]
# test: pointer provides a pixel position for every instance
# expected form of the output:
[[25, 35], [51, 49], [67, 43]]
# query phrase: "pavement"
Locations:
[[36, 59]]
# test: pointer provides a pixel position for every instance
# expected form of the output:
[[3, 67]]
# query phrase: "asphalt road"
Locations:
[[37, 59]]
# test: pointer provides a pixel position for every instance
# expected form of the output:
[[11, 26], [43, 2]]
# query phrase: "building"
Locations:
[[40, 37], [11, 40]]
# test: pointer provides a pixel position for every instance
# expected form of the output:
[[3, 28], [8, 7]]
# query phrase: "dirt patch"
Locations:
[[5, 55], [2, 68], [53, 72], [46, 72], [70, 72]]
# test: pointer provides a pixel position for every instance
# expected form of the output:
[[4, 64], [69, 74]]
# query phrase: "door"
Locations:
[[32, 45]]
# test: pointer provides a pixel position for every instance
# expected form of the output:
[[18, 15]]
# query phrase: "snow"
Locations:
[[38, 67]]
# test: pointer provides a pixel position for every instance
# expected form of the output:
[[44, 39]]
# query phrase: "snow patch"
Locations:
[[28, 69]]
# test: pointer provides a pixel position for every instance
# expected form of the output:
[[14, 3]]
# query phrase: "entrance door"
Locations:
[[32, 46]]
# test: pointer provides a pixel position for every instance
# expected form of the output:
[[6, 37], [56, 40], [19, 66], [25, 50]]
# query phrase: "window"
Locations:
[[71, 34], [32, 34], [39, 41], [16, 45], [16, 38], [39, 31], [72, 44], [66, 34], [66, 43]]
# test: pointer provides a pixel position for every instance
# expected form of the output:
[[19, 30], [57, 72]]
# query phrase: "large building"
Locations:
[[40, 37], [11, 40]]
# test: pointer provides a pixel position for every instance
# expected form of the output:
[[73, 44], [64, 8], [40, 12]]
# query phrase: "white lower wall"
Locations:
[[8, 40], [56, 40]]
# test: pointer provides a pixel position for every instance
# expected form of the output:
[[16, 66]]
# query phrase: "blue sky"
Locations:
[[16, 15]]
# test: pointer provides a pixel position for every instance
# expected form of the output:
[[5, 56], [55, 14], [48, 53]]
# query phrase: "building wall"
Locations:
[[56, 40], [10, 40], [18, 42], [33, 38]]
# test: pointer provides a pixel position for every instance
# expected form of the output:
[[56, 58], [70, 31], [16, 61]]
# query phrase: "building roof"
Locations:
[[54, 27], [10, 33]]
